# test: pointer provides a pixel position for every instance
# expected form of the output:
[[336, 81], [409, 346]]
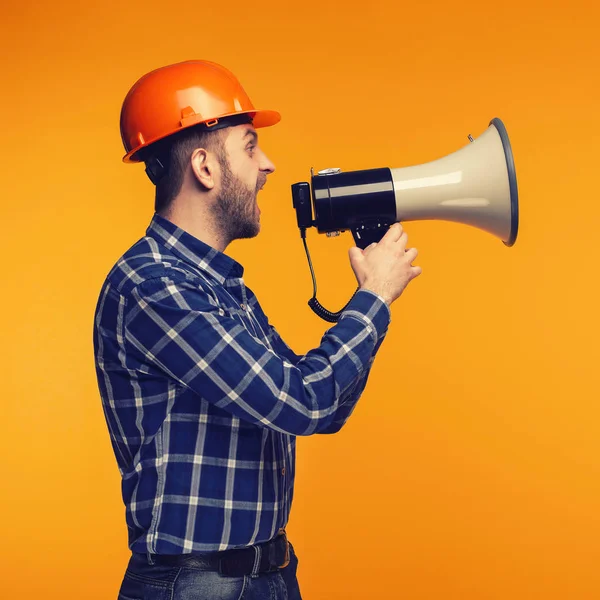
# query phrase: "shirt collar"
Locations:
[[193, 251]]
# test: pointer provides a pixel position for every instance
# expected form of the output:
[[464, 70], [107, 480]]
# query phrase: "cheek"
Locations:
[[248, 169], [252, 176]]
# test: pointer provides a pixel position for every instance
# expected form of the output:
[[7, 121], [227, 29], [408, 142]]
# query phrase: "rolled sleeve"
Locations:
[[371, 309]]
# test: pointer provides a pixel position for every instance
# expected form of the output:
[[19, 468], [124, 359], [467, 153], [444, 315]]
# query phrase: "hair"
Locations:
[[175, 154]]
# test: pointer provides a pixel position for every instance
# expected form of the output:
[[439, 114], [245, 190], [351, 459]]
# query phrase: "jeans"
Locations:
[[143, 581]]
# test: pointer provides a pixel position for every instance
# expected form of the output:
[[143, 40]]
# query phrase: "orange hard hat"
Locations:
[[172, 98]]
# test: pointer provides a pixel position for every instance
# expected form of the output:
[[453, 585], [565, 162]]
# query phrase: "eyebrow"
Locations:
[[252, 134]]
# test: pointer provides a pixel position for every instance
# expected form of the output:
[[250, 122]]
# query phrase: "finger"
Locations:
[[411, 254], [369, 248], [402, 241], [415, 271], [393, 233]]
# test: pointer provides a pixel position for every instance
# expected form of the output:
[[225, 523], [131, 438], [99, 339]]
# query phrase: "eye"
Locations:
[[251, 148]]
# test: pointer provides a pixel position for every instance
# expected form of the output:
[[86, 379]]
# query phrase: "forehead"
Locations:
[[242, 133]]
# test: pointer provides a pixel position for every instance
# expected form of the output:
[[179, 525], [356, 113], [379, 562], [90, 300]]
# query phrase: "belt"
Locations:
[[261, 558]]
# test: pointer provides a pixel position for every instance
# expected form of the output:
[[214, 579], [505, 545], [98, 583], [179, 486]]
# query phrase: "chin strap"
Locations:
[[155, 169]]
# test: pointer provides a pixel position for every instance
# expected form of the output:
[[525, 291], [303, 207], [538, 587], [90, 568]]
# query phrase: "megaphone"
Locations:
[[476, 186]]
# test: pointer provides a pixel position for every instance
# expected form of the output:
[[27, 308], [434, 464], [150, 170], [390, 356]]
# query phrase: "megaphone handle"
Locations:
[[365, 235]]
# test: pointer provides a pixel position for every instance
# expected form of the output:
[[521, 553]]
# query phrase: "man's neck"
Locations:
[[197, 221]]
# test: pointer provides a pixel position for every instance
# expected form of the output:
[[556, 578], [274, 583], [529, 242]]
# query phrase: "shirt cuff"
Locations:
[[370, 308]]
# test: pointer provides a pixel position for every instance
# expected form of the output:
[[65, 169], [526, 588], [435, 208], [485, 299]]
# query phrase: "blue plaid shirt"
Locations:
[[203, 399]]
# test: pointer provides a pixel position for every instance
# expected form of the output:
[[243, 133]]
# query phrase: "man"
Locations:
[[202, 397]]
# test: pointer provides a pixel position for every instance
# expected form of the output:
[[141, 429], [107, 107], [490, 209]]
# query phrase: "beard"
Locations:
[[234, 210]]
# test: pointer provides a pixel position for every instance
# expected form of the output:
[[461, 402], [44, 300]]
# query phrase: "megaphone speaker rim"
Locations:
[[512, 180]]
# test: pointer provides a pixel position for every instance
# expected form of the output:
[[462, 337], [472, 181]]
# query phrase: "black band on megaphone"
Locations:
[[344, 201]]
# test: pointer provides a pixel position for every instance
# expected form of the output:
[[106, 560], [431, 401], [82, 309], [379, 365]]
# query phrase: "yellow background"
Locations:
[[470, 469]]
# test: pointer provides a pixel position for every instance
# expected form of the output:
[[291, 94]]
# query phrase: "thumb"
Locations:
[[356, 261], [356, 255]]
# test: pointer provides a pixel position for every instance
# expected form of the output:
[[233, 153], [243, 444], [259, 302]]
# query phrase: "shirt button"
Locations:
[[283, 471], [243, 306]]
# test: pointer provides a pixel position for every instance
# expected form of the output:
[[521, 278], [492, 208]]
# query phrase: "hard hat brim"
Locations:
[[260, 118]]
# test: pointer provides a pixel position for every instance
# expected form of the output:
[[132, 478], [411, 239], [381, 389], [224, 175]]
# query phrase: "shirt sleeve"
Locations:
[[353, 394], [349, 402], [180, 329], [281, 348]]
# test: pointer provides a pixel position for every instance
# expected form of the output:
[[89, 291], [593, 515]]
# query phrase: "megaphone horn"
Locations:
[[476, 185]]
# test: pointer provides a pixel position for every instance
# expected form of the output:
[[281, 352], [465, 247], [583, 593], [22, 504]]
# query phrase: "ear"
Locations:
[[204, 168]]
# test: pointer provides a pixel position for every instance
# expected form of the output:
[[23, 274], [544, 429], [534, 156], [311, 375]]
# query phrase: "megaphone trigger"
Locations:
[[369, 233]]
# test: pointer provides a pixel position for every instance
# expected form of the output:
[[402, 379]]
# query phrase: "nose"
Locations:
[[266, 166]]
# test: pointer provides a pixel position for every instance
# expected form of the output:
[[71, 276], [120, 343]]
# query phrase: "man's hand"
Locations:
[[385, 268]]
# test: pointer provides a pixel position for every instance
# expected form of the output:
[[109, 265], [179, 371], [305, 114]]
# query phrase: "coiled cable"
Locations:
[[315, 305]]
